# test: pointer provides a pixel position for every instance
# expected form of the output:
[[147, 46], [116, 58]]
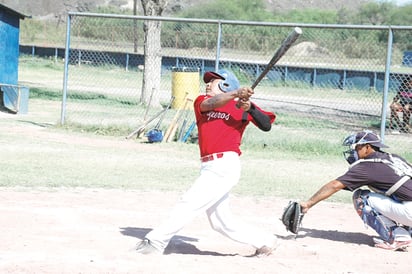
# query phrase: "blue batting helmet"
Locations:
[[154, 136], [229, 83]]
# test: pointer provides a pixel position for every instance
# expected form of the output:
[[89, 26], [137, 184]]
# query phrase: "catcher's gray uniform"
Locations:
[[376, 172]]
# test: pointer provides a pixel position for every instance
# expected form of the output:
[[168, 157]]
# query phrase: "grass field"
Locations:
[[37, 153], [292, 160]]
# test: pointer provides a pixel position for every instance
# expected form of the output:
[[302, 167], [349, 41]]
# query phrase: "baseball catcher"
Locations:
[[292, 217], [386, 206]]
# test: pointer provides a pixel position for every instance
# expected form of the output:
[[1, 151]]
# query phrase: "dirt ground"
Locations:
[[95, 230]]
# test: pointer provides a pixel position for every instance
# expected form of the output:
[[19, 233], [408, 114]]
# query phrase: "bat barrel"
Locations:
[[286, 44]]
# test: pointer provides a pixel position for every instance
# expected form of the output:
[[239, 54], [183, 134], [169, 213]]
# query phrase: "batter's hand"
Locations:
[[244, 93], [244, 104]]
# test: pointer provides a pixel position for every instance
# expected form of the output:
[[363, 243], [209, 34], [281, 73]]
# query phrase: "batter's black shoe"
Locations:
[[146, 247], [264, 251]]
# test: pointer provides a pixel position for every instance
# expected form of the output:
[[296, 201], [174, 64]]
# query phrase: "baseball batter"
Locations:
[[222, 115]]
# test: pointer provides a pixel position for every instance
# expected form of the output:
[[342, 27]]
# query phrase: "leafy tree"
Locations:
[[344, 16], [311, 16], [401, 16], [247, 10], [376, 13]]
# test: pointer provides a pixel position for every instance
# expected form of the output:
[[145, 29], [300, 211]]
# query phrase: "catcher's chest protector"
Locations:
[[400, 168]]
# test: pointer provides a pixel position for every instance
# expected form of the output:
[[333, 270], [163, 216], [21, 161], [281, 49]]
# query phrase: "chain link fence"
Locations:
[[334, 80]]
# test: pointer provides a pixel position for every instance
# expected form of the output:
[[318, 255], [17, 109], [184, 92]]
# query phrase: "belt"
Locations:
[[211, 157]]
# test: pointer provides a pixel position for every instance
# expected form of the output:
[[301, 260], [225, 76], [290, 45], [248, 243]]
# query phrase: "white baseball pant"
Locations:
[[210, 194]]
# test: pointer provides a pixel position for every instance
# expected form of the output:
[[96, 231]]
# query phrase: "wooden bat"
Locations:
[[182, 128], [175, 118], [176, 124], [142, 128], [164, 113], [284, 47]]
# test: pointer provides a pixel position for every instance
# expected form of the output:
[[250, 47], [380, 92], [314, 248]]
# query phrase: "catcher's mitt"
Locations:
[[292, 217]]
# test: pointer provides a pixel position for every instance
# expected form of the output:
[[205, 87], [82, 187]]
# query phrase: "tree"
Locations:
[[376, 13], [248, 10], [135, 27], [152, 51]]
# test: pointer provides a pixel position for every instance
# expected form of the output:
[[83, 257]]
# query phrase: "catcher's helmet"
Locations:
[[360, 138], [363, 137], [229, 83]]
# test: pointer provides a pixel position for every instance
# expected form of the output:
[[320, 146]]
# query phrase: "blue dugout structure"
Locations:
[[13, 97]]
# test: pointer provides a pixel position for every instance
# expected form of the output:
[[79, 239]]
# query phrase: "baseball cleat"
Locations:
[[146, 247], [395, 246], [265, 251]]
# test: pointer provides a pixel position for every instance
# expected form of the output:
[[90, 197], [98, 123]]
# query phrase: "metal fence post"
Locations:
[[386, 83], [219, 41], [66, 71]]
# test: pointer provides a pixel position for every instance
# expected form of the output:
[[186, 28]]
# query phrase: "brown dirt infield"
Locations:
[[83, 230]]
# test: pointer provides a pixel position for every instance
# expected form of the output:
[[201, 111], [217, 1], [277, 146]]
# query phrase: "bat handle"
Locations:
[[238, 104]]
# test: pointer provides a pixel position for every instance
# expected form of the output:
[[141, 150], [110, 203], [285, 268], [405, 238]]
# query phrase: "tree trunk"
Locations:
[[135, 27], [152, 52]]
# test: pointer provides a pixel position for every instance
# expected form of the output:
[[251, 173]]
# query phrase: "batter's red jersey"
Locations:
[[222, 129]]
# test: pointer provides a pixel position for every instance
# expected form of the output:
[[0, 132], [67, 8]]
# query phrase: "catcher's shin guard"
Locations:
[[381, 224]]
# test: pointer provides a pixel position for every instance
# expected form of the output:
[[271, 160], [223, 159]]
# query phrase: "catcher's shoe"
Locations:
[[409, 228], [146, 247], [395, 246]]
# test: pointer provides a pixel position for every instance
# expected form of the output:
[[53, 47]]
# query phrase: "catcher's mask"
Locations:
[[229, 83], [360, 138]]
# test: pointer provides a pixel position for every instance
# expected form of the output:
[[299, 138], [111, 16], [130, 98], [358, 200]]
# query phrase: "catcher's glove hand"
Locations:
[[292, 217]]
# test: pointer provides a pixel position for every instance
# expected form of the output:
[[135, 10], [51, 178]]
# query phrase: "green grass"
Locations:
[[305, 130], [98, 99], [284, 162], [293, 160], [56, 157]]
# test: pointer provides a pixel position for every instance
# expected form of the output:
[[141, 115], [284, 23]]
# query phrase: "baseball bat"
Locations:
[[182, 128], [187, 134], [164, 113], [175, 118], [140, 130], [284, 47], [176, 124]]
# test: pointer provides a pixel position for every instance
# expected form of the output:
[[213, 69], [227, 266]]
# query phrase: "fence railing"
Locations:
[[339, 78], [335, 79]]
